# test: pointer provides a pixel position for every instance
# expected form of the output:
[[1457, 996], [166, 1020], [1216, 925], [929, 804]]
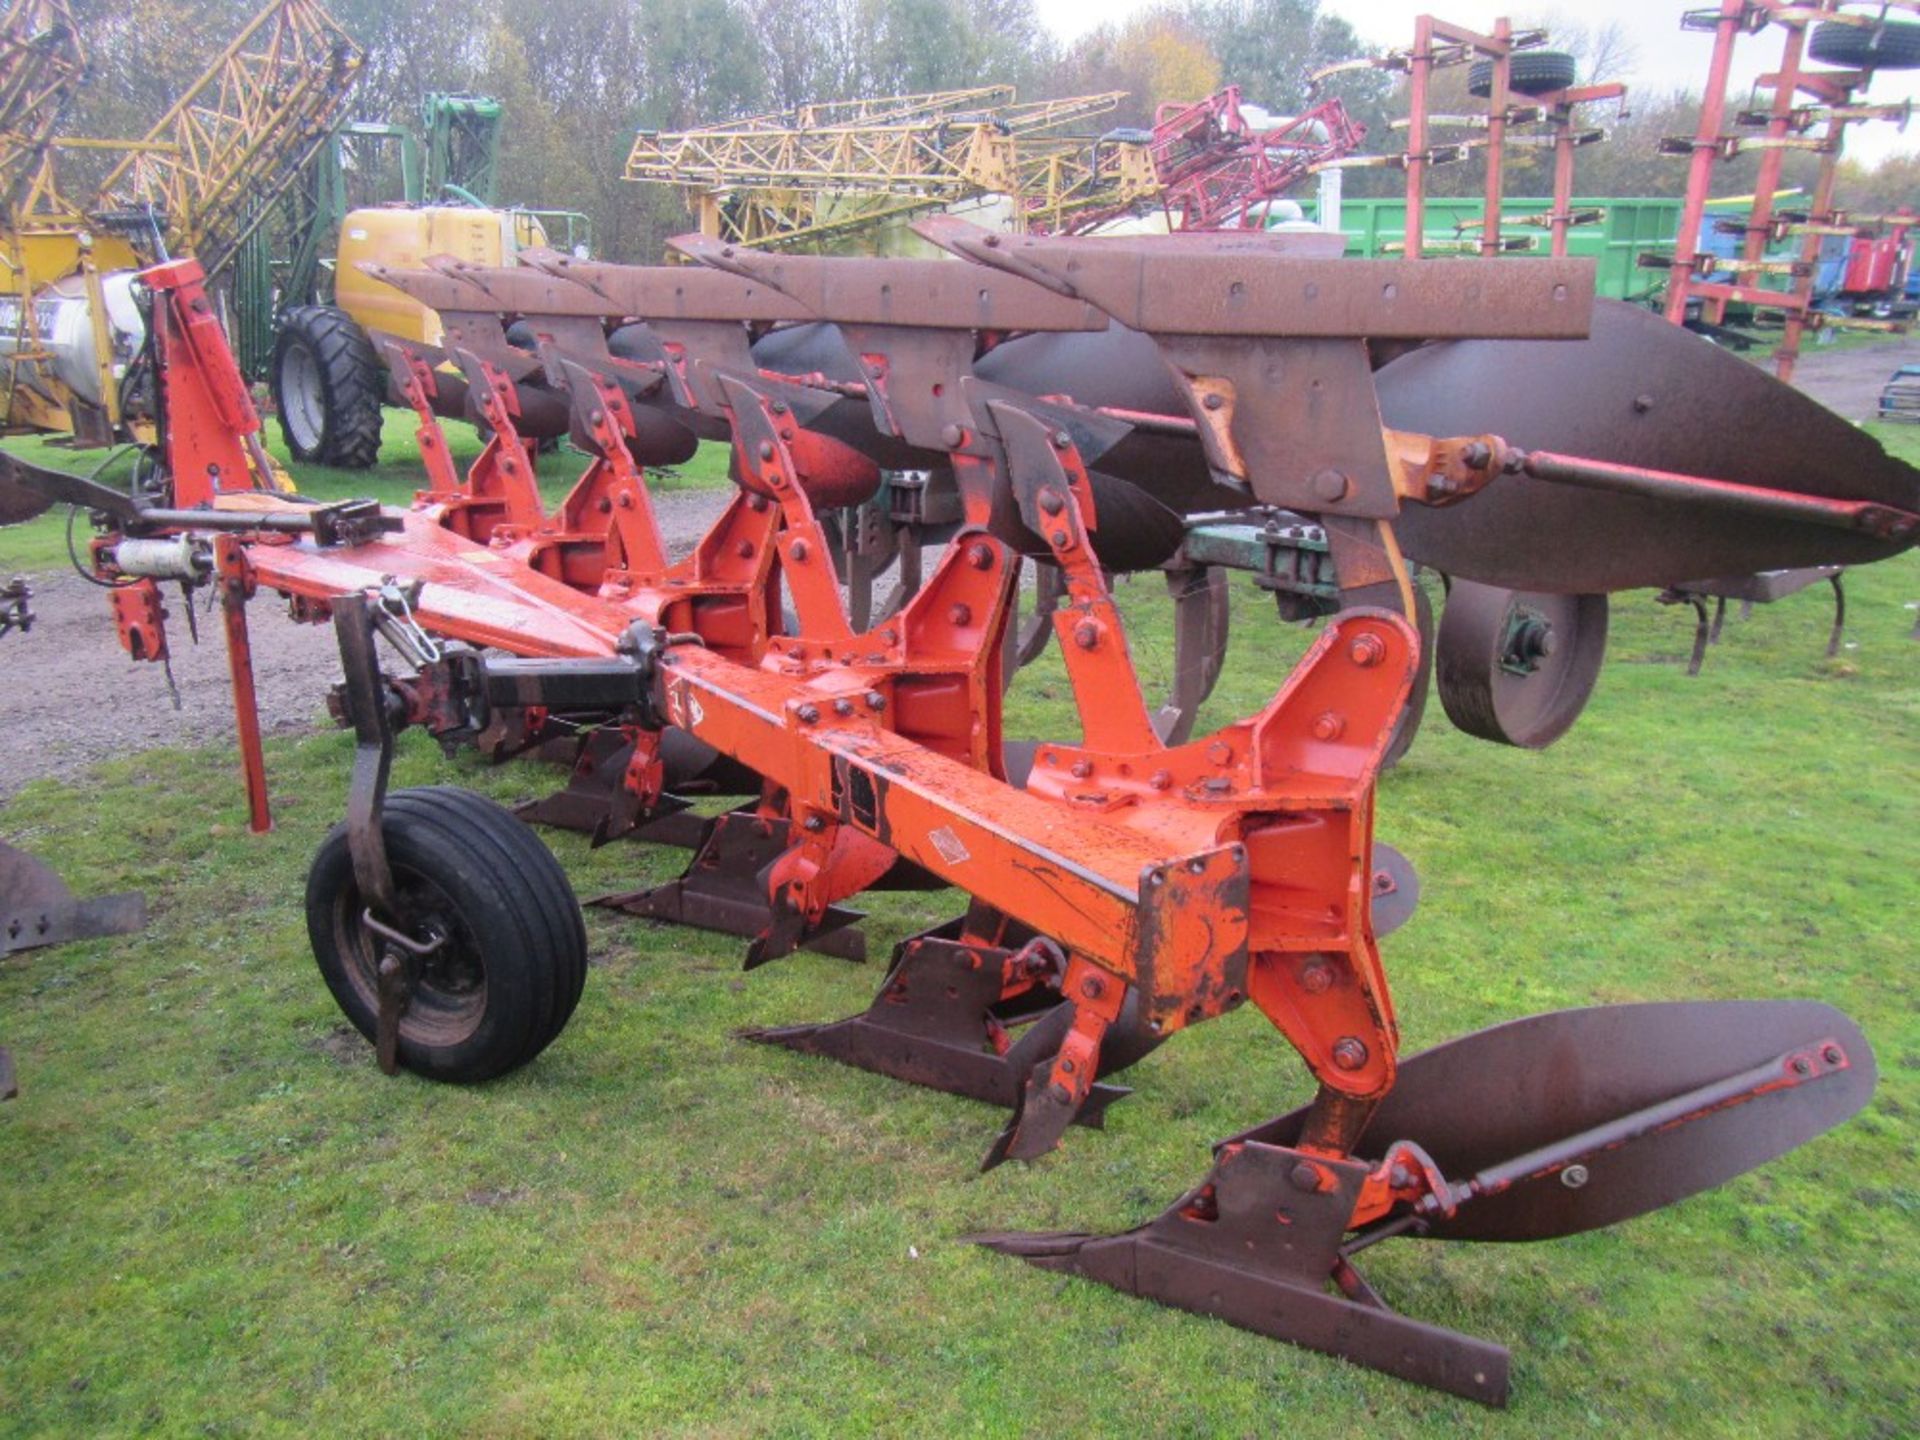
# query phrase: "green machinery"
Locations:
[[453, 156]]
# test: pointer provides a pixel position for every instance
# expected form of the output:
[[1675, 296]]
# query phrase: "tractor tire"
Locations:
[[1529, 72], [513, 958], [329, 388], [1892, 45]]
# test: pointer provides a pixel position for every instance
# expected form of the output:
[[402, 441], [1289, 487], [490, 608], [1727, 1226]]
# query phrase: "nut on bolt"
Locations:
[[979, 556], [1329, 725], [808, 713], [1366, 651], [1349, 1053], [1086, 635]]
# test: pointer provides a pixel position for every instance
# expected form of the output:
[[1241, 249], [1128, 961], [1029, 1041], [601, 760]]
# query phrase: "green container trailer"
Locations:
[[1629, 227]]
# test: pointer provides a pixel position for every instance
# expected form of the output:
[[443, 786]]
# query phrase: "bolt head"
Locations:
[[960, 615], [779, 407], [800, 551], [1051, 502], [1093, 987], [980, 557], [875, 700], [1316, 977], [1349, 1053], [1082, 769], [1367, 651], [1061, 440], [953, 437], [1086, 635], [744, 550], [1160, 780], [1214, 401], [766, 449], [1329, 726], [1330, 485], [1305, 1176], [809, 713], [1059, 539], [814, 824], [843, 707]]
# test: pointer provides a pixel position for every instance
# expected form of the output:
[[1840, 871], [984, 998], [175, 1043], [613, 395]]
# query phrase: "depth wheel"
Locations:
[[512, 954], [1516, 667], [1890, 45], [328, 388]]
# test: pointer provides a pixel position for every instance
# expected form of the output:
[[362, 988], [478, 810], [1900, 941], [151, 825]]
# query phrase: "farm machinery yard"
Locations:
[[1102, 406]]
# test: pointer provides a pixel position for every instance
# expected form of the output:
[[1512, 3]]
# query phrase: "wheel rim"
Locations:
[[303, 404], [449, 997]]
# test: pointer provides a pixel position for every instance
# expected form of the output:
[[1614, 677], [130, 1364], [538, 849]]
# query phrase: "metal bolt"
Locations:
[[745, 550], [1160, 780], [1082, 769], [1330, 485], [1642, 404], [1802, 1066], [980, 557], [843, 708], [625, 501], [1367, 651], [960, 614], [1059, 538], [1214, 401], [813, 823], [1305, 1176], [1219, 785], [1349, 1053], [875, 700], [1061, 440], [1051, 502], [766, 449], [1086, 635], [1093, 987], [779, 407], [808, 713], [1832, 1055], [1477, 456], [800, 551], [953, 437], [1574, 1176], [596, 417], [1329, 726], [1400, 1177], [1316, 977]]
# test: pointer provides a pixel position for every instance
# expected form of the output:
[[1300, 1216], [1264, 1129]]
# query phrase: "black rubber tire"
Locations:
[[329, 388], [1893, 45], [515, 961], [1529, 72]]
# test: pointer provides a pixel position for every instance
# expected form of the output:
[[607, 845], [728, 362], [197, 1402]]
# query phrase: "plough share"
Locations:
[[1094, 406]]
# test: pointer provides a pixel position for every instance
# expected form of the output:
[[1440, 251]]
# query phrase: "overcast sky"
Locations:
[[1667, 58]]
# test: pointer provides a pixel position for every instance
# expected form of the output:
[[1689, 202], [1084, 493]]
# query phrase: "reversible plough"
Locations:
[[1100, 406]]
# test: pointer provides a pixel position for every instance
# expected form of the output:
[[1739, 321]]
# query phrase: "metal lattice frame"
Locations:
[[832, 167], [40, 64], [241, 133]]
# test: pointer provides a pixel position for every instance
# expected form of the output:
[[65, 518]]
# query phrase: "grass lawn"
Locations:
[[220, 1219]]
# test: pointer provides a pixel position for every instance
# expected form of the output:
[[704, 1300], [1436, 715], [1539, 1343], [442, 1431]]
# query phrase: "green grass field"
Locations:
[[221, 1220]]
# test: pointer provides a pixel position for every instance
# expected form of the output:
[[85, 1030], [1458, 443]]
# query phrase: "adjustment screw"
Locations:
[[1349, 1053], [1367, 651]]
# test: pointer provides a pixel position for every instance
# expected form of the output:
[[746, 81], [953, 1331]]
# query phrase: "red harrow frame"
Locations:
[[1129, 887]]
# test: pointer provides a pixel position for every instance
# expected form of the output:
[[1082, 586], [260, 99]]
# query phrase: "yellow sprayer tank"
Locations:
[[403, 238]]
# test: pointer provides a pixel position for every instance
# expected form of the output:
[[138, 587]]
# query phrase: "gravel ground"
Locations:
[[55, 677]]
